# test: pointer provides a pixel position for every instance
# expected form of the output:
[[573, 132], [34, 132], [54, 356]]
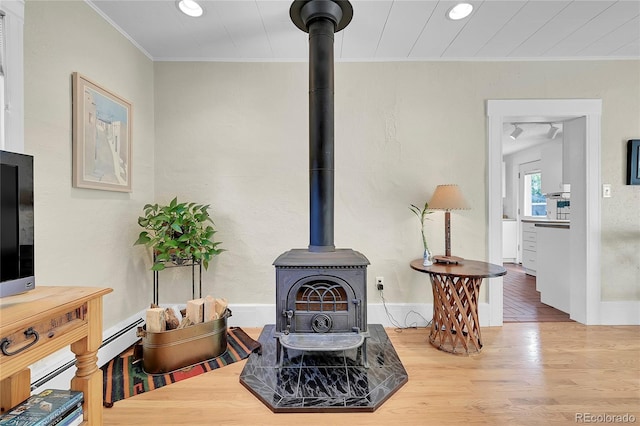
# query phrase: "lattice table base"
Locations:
[[456, 328]]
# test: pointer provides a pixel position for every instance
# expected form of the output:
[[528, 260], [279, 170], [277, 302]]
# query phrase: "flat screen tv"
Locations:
[[17, 265]]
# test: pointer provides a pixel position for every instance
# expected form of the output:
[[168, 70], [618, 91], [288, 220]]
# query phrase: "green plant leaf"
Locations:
[[180, 230], [143, 238], [157, 267]]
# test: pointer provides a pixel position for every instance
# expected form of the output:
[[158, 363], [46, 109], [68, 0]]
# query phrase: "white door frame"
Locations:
[[586, 281]]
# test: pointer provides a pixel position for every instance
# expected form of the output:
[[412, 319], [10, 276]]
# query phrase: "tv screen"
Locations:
[[16, 224]]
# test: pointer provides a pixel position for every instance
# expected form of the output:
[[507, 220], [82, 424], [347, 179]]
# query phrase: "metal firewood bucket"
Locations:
[[170, 350]]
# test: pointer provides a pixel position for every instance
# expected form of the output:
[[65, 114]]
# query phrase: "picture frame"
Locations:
[[633, 165], [102, 144]]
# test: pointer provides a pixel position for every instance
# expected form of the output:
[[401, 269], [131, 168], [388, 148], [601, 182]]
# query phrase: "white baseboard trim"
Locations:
[[620, 313]]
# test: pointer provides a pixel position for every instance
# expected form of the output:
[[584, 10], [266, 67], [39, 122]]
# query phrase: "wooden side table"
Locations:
[[36, 324], [456, 327]]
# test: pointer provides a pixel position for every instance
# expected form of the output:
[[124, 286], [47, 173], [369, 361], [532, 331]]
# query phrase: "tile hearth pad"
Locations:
[[324, 381]]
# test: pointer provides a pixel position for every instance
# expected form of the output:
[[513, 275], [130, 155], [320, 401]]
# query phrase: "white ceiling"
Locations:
[[383, 30]]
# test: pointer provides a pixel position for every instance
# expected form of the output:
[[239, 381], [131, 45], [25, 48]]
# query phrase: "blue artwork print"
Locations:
[[106, 142], [109, 111]]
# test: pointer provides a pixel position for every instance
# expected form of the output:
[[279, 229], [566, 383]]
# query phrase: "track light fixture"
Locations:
[[553, 131], [516, 132]]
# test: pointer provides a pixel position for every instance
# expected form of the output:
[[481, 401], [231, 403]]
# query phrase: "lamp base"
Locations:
[[447, 259]]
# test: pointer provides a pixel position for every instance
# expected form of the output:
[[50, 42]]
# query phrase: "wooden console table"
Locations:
[[455, 327], [40, 322]]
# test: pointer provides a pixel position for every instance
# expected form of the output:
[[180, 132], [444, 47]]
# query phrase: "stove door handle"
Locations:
[[289, 315]]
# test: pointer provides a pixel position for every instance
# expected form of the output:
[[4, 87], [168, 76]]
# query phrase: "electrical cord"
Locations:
[[399, 327]]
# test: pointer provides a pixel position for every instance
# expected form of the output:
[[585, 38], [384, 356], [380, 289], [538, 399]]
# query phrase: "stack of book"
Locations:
[[48, 408]]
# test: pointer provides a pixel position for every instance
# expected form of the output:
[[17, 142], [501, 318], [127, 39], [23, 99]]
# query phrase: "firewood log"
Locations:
[[195, 310], [221, 306], [186, 322], [155, 320], [172, 320], [209, 309]]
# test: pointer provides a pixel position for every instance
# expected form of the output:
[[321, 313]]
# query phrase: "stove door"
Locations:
[[323, 304]]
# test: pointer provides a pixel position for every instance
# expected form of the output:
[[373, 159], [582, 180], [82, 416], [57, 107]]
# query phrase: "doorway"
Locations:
[[521, 295], [585, 172]]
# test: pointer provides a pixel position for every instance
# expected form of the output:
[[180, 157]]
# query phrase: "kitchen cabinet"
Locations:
[[509, 240], [553, 273], [529, 248], [566, 163], [551, 167]]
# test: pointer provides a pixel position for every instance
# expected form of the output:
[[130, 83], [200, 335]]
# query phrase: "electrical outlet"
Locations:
[[606, 190], [380, 283]]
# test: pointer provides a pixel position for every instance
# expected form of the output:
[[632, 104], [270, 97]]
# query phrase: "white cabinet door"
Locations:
[[509, 240], [551, 167], [553, 276], [529, 255]]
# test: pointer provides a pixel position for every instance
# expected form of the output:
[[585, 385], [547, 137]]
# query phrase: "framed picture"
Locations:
[[101, 137], [633, 166]]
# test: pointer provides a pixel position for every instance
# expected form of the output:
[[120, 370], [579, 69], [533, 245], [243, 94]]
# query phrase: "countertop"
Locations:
[[554, 225], [547, 220]]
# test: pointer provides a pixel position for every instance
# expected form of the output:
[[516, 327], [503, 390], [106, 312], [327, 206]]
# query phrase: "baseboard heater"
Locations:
[[60, 370]]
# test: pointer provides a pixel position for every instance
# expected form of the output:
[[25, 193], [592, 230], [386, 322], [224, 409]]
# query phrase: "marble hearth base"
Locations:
[[324, 381]]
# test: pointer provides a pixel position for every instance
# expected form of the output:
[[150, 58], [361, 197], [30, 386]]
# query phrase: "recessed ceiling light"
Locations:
[[190, 8], [460, 11]]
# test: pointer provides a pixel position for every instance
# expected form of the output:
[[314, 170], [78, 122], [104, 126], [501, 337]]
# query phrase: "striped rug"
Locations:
[[124, 378]]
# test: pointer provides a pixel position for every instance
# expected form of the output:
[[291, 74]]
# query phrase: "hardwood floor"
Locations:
[[526, 374], [522, 301]]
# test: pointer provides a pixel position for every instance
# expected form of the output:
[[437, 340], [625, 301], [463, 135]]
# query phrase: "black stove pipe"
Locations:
[[321, 19]]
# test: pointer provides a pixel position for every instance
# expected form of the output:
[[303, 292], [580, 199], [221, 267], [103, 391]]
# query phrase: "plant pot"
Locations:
[[427, 258]]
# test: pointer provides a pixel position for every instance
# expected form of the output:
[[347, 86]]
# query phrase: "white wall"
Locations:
[[85, 237], [512, 163], [235, 135]]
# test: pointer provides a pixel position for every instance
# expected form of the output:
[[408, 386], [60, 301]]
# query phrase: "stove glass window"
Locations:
[[320, 296]]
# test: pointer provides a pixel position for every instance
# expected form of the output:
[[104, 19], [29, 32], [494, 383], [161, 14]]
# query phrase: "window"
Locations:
[[535, 204]]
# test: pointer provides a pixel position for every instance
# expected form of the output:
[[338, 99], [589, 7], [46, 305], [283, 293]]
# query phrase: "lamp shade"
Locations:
[[448, 197]]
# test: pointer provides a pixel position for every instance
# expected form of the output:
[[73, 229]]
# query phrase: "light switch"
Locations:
[[606, 190]]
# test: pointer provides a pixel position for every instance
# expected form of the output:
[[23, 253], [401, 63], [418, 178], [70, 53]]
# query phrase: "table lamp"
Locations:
[[447, 198]]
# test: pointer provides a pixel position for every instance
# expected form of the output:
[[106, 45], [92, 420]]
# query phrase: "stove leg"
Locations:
[[280, 352], [362, 354]]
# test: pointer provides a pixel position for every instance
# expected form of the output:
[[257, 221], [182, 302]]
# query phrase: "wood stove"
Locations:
[[321, 301], [321, 292]]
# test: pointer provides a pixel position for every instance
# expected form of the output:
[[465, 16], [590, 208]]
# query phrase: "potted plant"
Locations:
[[422, 216], [178, 232]]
